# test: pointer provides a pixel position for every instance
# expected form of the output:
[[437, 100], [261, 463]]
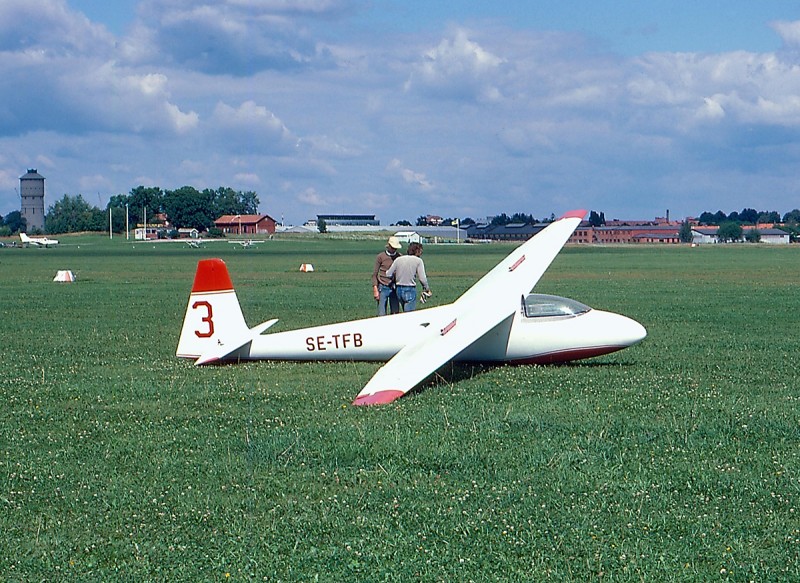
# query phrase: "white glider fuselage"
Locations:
[[518, 340]]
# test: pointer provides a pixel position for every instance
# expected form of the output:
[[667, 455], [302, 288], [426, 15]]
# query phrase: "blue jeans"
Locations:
[[387, 293], [408, 297]]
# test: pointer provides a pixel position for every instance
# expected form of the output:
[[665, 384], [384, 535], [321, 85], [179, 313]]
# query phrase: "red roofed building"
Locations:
[[246, 224]]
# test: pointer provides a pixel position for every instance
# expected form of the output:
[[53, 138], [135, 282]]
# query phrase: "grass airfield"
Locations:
[[674, 460]]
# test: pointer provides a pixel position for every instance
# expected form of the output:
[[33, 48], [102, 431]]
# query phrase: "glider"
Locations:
[[496, 321], [37, 241]]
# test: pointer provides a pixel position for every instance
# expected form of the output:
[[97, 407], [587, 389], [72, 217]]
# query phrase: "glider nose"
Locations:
[[628, 331]]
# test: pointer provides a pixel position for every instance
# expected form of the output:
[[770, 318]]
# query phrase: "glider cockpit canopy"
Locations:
[[544, 306]]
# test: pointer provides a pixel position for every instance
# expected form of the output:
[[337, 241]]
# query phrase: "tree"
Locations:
[[15, 222], [501, 219], [706, 218], [753, 236], [322, 226], [748, 216], [729, 231], [74, 214], [793, 216], [403, 224], [596, 220], [522, 218], [231, 202], [769, 217], [685, 233], [144, 199], [117, 218], [116, 205], [249, 202], [186, 207], [226, 201], [422, 221]]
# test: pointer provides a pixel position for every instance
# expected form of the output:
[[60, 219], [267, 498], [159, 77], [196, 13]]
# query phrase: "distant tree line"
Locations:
[[748, 216], [501, 219], [595, 219], [185, 207]]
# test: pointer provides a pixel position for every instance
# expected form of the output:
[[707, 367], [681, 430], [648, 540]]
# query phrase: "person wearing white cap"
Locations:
[[383, 289]]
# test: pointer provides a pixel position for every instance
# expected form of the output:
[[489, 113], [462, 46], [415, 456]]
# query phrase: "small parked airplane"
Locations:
[[246, 244], [497, 321], [37, 241]]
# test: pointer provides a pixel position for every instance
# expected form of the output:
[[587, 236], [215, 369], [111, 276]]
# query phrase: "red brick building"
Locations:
[[246, 224]]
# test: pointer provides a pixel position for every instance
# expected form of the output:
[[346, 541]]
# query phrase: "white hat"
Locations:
[[394, 243]]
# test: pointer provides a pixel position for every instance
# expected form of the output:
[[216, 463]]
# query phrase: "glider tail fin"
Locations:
[[213, 316]]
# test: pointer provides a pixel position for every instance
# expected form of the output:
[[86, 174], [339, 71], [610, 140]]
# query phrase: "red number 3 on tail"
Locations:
[[207, 319]]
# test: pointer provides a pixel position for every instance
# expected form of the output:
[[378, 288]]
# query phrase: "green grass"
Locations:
[[675, 460]]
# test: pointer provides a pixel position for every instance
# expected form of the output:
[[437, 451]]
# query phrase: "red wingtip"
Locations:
[[212, 275], [576, 214], [379, 398]]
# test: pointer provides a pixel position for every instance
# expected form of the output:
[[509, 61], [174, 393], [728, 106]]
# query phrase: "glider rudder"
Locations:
[[211, 276], [213, 316]]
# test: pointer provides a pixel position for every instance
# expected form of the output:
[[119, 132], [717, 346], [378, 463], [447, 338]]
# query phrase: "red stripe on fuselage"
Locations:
[[517, 263], [566, 355]]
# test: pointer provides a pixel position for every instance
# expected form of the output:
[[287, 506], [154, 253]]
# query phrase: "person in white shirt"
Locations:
[[406, 269]]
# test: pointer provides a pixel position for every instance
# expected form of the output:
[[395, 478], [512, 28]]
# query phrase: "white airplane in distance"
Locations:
[[37, 241], [496, 321], [246, 244]]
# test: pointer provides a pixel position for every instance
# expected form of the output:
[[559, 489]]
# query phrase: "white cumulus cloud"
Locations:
[[458, 68], [418, 179], [251, 126]]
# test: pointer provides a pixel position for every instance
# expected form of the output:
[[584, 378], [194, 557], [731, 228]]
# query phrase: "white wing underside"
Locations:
[[491, 300]]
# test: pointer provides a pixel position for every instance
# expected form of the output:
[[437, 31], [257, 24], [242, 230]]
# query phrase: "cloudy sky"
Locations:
[[402, 108]]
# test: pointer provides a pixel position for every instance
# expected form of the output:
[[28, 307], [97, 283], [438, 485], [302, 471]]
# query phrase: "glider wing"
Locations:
[[494, 298]]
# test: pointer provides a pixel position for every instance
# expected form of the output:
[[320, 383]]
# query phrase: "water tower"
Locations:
[[31, 191]]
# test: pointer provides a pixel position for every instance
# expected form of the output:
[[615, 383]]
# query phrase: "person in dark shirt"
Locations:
[[383, 289]]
